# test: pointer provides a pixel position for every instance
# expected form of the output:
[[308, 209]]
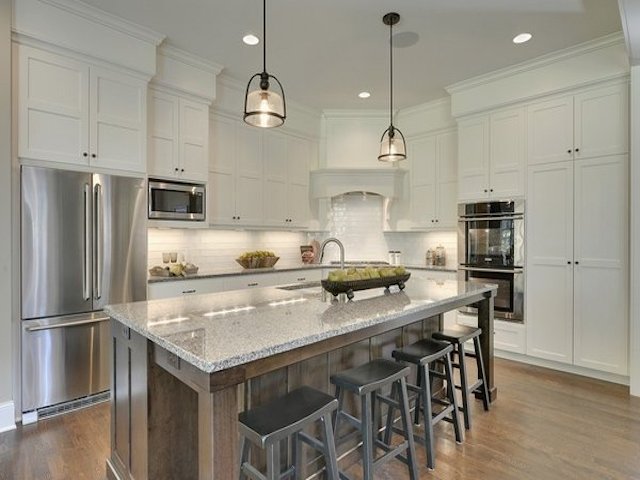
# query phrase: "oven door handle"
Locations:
[[492, 270], [486, 219]]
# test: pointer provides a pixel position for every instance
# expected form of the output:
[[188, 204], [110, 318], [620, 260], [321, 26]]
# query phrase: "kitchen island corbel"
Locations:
[[184, 367]]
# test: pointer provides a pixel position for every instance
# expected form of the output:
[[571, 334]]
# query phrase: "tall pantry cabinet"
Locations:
[[577, 229]]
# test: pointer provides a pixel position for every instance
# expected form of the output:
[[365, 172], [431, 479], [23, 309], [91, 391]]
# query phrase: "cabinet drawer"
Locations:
[[509, 337], [299, 276], [239, 282], [184, 287]]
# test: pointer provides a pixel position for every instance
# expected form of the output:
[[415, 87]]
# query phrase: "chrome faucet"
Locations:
[[340, 246]]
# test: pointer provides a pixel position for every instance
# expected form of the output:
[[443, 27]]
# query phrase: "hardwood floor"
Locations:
[[545, 425]]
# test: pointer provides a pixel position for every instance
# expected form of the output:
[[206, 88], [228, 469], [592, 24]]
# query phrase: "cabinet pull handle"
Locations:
[[193, 290], [254, 284], [302, 279]]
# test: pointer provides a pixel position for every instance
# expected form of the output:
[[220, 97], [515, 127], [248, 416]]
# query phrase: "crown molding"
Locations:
[[444, 101], [108, 20], [616, 38], [183, 56]]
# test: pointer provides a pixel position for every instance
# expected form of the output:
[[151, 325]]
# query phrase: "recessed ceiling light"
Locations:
[[522, 38], [250, 39], [364, 94]]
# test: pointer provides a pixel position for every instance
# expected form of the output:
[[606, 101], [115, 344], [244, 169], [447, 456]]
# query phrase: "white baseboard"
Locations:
[[585, 372], [7, 417]]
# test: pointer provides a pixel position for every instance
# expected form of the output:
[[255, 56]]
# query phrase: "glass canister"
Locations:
[[429, 258], [440, 256]]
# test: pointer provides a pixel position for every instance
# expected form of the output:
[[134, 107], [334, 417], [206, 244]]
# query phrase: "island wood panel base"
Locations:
[[191, 416]]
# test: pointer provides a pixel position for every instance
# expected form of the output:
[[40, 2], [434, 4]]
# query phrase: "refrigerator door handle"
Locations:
[[67, 324], [86, 273], [98, 240]]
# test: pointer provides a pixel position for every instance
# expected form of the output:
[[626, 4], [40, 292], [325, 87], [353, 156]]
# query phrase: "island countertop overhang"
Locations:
[[220, 331]]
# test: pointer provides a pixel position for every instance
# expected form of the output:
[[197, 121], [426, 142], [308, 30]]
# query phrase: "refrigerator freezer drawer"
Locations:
[[64, 358]]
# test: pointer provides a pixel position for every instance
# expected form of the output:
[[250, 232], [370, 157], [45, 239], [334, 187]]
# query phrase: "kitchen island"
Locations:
[[182, 368]]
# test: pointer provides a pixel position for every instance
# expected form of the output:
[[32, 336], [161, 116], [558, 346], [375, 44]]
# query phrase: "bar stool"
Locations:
[[457, 336], [424, 353], [367, 381], [265, 426]]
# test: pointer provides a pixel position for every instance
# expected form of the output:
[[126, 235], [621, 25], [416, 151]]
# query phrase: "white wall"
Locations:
[[6, 277], [634, 310]]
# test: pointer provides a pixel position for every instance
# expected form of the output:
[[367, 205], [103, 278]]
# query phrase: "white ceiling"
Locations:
[[326, 51]]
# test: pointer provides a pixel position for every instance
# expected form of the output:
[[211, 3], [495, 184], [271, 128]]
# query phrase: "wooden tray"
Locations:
[[349, 287]]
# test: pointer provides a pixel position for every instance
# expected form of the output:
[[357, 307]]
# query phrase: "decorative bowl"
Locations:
[[258, 262]]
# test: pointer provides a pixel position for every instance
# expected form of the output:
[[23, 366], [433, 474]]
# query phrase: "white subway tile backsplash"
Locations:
[[356, 219]]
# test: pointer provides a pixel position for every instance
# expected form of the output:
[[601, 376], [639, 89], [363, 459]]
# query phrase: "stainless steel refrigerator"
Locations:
[[84, 245]]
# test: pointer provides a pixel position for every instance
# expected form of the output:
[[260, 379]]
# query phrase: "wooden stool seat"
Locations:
[[268, 424], [423, 351], [457, 334]]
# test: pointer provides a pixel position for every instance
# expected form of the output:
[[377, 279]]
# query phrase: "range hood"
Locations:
[[331, 182]]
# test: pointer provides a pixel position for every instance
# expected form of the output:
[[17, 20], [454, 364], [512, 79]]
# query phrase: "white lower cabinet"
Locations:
[[180, 288], [299, 276], [242, 281], [577, 263]]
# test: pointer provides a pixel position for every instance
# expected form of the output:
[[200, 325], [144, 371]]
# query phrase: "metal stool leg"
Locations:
[[453, 399], [428, 415], [408, 430], [296, 455], [416, 413], [481, 373], [273, 461], [331, 459], [464, 383], [244, 456], [336, 415], [367, 438]]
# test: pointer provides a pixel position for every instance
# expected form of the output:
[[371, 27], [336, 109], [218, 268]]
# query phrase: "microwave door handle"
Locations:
[[98, 240], [86, 270], [491, 270], [485, 219]]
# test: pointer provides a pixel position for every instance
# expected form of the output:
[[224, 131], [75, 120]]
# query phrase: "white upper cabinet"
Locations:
[[491, 149], [256, 177], [590, 124], [178, 137], [434, 180], [507, 152], [74, 113], [473, 158]]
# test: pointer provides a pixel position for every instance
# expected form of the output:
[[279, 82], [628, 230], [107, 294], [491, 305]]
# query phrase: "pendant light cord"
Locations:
[[391, 74], [264, 35]]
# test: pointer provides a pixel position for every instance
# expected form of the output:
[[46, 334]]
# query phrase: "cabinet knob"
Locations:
[[93, 155], [576, 263], [85, 154], [577, 150], [175, 169], [436, 220], [568, 262], [491, 189], [485, 190], [182, 170], [569, 151]]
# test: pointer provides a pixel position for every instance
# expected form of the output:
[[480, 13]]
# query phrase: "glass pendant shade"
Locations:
[[392, 146], [264, 104]]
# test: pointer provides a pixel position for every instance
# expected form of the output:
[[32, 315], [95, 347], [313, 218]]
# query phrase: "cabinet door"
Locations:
[[549, 302], [299, 153], [222, 177], [118, 121], [275, 179], [53, 107], [550, 131], [423, 154], [194, 140], [163, 134], [507, 164], [601, 322], [601, 122], [249, 171], [473, 158], [447, 180]]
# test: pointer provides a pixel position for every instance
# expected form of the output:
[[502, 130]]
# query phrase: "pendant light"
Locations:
[[264, 104], [392, 144]]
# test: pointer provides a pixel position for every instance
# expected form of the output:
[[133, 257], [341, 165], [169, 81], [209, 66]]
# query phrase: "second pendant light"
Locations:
[[392, 144]]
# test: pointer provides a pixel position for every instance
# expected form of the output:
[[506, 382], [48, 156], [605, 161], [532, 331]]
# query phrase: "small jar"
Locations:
[[429, 258], [392, 257], [398, 257]]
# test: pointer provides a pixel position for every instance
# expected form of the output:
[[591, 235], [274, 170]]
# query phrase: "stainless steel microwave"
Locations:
[[176, 201]]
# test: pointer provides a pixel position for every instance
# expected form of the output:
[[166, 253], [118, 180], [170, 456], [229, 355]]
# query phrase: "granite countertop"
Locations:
[[231, 271], [221, 330]]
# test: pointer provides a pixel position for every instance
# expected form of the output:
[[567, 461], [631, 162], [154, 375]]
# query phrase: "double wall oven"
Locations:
[[491, 249]]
